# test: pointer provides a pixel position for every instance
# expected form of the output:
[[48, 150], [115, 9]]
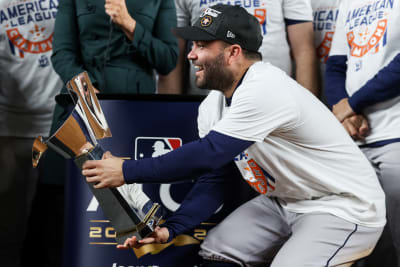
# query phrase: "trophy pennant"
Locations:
[[77, 139]]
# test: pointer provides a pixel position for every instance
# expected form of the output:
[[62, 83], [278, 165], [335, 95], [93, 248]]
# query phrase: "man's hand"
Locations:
[[119, 14], [356, 126], [104, 173], [343, 110], [160, 235]]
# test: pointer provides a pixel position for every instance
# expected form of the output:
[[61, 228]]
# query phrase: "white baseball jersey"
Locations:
[[28, 82], [301, 154], [271, 15], [325, 14], [367, 33]]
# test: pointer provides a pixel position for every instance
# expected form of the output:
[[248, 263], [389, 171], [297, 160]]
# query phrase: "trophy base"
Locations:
[[123, 218], [144, 228]]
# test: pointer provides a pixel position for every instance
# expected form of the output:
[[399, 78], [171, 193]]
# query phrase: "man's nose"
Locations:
[[192, 55]]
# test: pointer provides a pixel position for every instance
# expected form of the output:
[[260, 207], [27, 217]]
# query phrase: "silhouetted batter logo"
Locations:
[[150, 147]]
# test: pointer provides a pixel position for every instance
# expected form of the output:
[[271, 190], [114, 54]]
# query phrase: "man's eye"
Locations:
[[200, 44]]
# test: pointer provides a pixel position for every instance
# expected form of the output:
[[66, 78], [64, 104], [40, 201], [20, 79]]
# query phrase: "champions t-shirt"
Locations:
[[28, 83], [301, 154], [367, 33]]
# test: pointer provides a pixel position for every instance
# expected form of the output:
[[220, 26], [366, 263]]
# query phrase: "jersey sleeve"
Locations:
[[201, 202], [65, 58], [299, 10], [159, 48]]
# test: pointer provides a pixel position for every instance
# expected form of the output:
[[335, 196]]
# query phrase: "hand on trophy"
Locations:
[[160, 235], [103, 173]]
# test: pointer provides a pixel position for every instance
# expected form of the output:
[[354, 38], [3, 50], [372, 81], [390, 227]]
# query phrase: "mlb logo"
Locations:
[[150, 147]]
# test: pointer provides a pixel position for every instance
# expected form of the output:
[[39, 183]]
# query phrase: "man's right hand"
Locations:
[[103, 173]]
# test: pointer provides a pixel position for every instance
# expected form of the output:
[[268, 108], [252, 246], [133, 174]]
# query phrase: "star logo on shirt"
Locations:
[[206, 21]]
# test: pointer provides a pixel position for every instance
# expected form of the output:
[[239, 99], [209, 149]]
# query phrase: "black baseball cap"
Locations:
[[232, 24]]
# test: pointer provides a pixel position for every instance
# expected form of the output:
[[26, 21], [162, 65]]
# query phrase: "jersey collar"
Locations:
[[228, 101]]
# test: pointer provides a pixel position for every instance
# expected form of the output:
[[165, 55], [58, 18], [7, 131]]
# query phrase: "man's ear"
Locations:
[[234, 52]]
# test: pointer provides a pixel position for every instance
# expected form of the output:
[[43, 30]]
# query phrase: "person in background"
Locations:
[[286, 26], [118, 43], [362, 87], [325, 14], [28, 85]]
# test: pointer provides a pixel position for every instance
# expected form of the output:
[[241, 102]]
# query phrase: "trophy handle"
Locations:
[[38, 148], [82, 88]]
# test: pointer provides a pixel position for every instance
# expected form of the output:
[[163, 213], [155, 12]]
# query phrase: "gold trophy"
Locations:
[[77, 139]]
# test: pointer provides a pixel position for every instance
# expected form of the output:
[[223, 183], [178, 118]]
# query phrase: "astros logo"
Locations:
[[206, 21]]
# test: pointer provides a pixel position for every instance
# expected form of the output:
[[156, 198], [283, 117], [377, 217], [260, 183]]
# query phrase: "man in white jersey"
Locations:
[[320, 202], [362, 86], [325, 14], [28, 85], [286, 26]]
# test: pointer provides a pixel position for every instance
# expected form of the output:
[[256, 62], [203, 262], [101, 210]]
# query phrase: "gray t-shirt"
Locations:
[[28, 82]]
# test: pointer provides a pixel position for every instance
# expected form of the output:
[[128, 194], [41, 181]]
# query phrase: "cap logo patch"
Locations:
[[206, 21], [230, 34], [210, 12]]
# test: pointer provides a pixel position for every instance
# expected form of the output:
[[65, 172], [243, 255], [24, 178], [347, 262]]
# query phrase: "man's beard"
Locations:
[[216, 75]]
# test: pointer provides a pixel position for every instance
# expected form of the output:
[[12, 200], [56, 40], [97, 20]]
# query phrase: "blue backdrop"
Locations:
[[137, 124]]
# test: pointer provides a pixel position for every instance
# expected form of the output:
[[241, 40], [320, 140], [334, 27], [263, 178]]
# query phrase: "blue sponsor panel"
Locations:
[[141, 128]]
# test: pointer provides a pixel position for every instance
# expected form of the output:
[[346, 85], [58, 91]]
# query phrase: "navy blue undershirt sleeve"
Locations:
[[335, 79], [383, 86], [188, 161], [205, 197], [289, 22]]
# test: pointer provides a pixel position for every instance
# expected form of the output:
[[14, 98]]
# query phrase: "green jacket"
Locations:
[[115, 64]]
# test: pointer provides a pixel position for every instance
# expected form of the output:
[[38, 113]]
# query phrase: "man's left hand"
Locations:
[[160, 235], [343, 110], [104, 173]]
